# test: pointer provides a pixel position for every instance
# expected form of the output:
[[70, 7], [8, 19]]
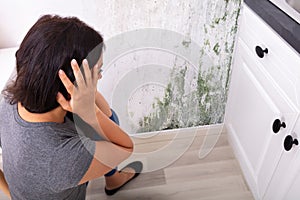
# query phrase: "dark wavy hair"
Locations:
[[51, 43]]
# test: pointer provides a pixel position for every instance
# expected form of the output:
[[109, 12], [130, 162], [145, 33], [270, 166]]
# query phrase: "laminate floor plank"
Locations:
[[216, 176]]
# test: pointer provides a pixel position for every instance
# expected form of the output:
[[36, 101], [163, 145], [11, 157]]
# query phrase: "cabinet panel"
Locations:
[[293, 191], [262, 90], [255, 113], [281, 62], [253, 105], [286, 180], [285, 111]]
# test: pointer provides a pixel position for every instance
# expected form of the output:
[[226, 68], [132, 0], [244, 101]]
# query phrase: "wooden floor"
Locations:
[[217, 176], [214, 177]]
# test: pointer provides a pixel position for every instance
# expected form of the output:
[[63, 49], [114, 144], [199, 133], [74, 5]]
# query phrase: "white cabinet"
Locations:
[[263, 93], [285, 183]]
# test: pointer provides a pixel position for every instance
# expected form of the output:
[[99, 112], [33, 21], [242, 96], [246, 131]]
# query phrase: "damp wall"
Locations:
[[167, 63]]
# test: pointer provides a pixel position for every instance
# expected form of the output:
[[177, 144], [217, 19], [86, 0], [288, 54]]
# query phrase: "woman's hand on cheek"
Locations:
[[82, 94]]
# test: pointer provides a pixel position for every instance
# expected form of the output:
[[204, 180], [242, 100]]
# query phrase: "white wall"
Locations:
[[130, 81], [110, 17]]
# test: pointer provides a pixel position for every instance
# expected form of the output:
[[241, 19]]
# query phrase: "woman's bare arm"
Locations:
[[102, 104], [3, 184], [111, 131], [119, 145]]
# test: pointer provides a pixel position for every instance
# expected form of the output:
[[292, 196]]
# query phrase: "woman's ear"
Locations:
[[65, 104]]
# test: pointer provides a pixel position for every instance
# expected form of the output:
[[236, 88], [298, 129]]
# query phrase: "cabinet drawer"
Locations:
[[282, 63], [264, 78]]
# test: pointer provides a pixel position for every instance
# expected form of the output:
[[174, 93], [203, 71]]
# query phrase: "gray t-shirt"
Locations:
[[43, 160]]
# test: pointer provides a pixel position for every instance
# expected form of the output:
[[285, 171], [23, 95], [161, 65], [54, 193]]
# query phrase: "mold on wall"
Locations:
[[205, 103], [187, 94]]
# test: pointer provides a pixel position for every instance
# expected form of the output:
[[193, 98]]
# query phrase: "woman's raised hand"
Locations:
[[82, 94]]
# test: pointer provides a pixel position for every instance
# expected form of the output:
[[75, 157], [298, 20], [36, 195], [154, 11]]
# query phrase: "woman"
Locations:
[[3, 185], [45, 154]]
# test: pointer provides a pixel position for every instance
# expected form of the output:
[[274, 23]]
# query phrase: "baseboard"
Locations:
[[213, 128]]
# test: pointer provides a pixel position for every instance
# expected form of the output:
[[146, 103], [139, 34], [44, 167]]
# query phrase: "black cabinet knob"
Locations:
[[277, 125], [260, 52], [289, 141]]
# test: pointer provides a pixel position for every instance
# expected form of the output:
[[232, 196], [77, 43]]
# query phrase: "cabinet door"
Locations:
[[253, 106], [285, 184]]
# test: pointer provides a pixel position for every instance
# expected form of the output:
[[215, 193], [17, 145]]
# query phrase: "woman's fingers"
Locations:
[[91, 74], [63, 102], [77, 73], [95, 72], [83, 95], [87, 71], [66, 81]]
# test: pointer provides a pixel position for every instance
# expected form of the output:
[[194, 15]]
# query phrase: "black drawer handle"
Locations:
[[289, 141], [277, 125], [260, 52]]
